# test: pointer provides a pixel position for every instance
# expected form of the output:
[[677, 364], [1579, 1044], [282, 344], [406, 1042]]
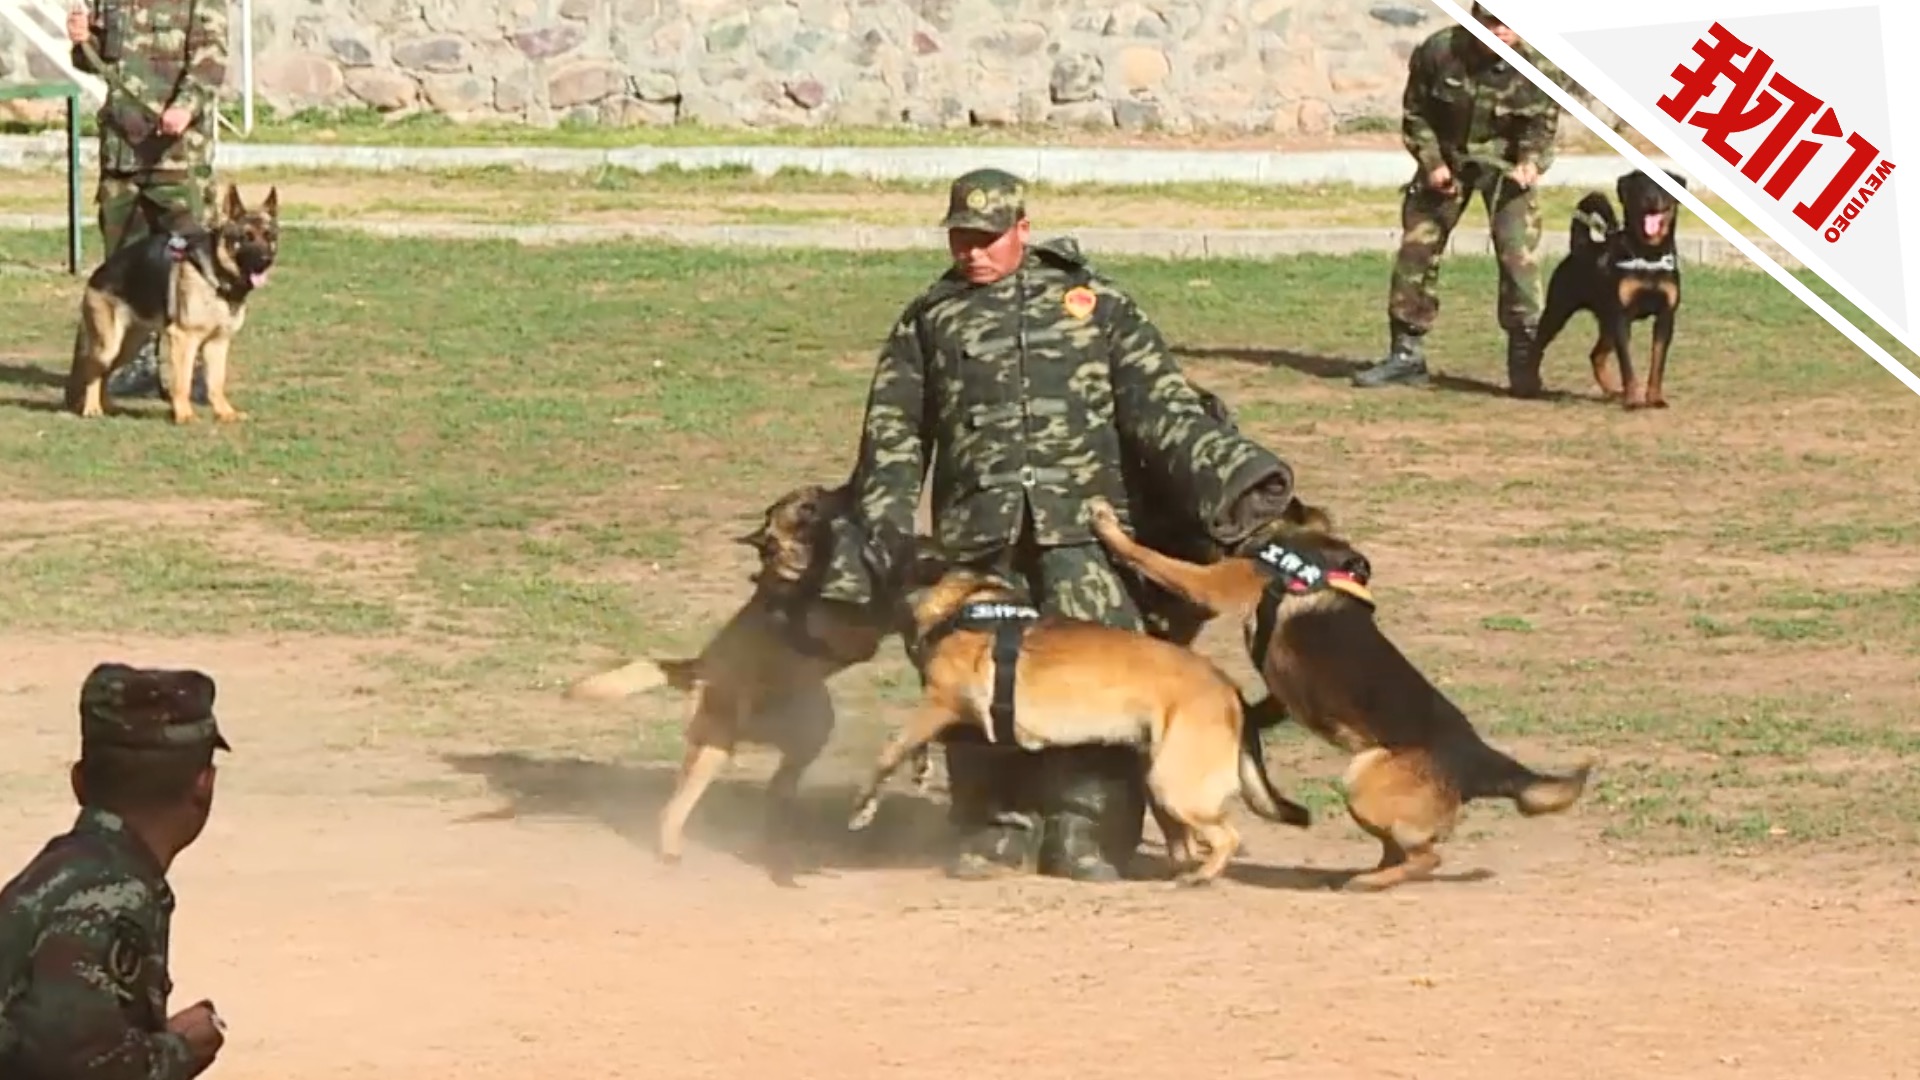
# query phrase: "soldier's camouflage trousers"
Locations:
[[1427, 220], [132, 206], [1073, 812]]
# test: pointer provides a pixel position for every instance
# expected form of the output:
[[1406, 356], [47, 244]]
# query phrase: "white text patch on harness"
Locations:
[[1664, 262]]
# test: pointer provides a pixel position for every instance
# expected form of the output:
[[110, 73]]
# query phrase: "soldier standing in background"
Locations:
[[84, 928], [164, 62], [1475, 126]]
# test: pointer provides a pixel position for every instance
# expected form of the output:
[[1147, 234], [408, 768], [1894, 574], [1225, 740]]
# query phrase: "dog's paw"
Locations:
[[863, 815], [229, 415], [1102, 516]]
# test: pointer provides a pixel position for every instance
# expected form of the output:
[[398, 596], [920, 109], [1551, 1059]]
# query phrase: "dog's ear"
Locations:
[[1678, 179], [1622, 185], [1307, 517], [231, 205], [271, 206]]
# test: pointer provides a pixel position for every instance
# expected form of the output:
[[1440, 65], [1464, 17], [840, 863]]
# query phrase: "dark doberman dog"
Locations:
[[1622, 275]]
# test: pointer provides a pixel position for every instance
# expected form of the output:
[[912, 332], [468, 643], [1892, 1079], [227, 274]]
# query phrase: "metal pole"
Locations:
[[73, 181]]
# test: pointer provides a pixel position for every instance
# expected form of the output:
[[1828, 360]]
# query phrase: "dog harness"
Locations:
[[194, 246], [1291, 573], [1008, 623]]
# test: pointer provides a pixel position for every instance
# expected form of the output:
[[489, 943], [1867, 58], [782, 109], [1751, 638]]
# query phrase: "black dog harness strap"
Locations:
[[1008, 623], [1290, 573]]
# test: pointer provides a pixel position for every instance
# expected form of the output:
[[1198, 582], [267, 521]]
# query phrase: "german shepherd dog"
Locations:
[[762, 677], [193, 287], [1077, 682], [1416, 757], [1622, 275]]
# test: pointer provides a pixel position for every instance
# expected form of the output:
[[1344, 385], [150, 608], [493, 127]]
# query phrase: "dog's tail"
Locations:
[[1593, 221], [1256, 787], [1494, 775], [629, 679]]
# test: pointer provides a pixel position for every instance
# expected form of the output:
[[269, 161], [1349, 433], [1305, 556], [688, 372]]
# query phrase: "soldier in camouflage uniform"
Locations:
[[1025, 379], [84, 928], [166, 61], [1475, 126]]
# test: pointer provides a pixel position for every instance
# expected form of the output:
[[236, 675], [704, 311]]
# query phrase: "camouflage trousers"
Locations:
[[1427, 220], [133, 206], [1067, 811]]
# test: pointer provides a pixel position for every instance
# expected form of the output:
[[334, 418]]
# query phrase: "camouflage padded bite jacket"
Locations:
[[1463, 104], [1023, 395], [83, 962], [172, 52]]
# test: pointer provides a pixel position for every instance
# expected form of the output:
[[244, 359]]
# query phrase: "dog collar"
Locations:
[[1291, 573], [1664, 262], [1297, 574]]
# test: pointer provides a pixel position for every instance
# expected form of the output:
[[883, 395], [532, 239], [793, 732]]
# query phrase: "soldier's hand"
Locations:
[[175, 120], [1440, 179], [78, 28], [201, 1027], [1525, 174]]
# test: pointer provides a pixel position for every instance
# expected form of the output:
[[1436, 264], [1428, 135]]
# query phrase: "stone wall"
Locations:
[[1281, 66]]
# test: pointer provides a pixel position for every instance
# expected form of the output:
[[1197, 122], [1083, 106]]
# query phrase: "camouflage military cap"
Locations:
[[147, 709], [990, 200]]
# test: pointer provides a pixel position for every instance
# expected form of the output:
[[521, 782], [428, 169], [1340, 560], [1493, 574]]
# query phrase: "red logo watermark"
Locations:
[[1757, 95]]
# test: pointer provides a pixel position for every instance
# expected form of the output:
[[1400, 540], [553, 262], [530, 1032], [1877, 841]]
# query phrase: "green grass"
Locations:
[[738, 195], [508, 464]]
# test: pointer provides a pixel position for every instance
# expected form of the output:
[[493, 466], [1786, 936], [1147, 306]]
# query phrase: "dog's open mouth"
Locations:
[[1654, 225], [258, 278]]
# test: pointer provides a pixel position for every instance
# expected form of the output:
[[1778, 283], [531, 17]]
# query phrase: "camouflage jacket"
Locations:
[[172, 52], [83, 962], [1023, 396], [1464, 105]]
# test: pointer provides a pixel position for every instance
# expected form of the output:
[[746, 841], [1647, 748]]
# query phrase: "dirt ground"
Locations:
[[510, 922]]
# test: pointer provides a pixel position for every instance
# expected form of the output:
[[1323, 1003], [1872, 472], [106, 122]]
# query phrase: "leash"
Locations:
[[110, 74]]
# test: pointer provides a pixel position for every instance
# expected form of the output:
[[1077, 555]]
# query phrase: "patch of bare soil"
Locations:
[[518, 926]]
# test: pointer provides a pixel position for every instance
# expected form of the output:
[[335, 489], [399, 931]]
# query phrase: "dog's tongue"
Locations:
[[1650, 225], [258, 278]]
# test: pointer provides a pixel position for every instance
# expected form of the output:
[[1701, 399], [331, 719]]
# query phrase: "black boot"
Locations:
[[140, 376], [1405, 363], [1523, 367], [999, 833], [1096, 806]]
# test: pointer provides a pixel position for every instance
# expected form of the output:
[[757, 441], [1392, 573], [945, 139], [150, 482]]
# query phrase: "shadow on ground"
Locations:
[[909, 832], [13, 373], [1341, 369]]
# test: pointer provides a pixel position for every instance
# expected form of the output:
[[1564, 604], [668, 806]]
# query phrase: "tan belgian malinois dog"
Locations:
[[1302, 592], [987, 659], [762, 677]]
